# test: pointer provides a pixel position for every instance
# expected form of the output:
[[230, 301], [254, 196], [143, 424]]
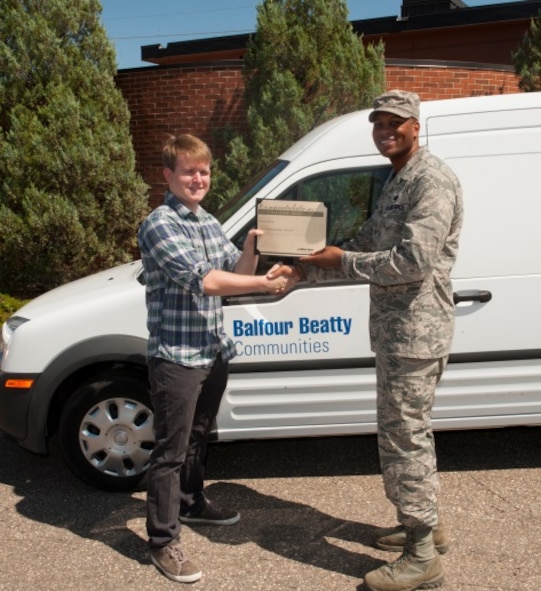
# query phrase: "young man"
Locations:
[[189, 264], [406, 250]]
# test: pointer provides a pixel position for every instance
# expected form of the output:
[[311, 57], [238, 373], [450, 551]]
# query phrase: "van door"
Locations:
[[495, 366], [304, 364]]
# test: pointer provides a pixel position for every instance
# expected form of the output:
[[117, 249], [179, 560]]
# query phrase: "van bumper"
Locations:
[[15, 394]]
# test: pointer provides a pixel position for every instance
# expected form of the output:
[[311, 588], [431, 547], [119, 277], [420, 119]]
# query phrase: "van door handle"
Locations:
[[479, 296]]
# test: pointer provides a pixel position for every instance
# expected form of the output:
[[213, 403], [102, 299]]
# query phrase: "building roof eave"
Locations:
[[233, 47]]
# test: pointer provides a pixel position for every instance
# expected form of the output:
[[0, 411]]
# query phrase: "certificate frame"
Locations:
[[291, 228]]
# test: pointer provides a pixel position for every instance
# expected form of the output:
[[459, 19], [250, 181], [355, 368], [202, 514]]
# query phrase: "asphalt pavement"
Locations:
[[308, 508]]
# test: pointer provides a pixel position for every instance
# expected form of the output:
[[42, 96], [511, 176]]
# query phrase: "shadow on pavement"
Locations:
[[295, 531], [490, 449], [48, 493]]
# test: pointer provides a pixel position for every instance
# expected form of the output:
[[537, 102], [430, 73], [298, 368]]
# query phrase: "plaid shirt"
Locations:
[[178, 249]]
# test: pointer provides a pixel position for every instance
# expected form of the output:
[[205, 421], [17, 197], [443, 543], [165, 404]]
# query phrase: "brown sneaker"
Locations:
[[170, 561], [392, 538]]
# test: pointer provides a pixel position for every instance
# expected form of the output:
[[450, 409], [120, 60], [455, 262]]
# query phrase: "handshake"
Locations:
[[285, 277]]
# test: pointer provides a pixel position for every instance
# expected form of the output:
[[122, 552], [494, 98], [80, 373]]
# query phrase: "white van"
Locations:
[[74, 358]]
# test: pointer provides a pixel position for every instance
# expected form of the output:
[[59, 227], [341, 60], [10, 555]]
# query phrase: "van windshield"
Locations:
[[250, 189]]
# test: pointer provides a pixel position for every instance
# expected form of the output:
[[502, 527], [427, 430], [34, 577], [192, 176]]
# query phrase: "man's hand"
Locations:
[[328, 258], [291, 275], [249, 241]]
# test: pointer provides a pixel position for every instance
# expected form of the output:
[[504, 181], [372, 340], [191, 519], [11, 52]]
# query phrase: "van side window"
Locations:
[[350, 194]]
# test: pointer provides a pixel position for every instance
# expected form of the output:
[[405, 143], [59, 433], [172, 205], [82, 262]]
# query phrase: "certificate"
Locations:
[[291, 228]]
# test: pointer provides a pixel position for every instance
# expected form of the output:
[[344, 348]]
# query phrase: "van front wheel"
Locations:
[[105, 431]]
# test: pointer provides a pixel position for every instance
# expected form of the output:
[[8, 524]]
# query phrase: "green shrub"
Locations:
[[70, 198], [9, 305]]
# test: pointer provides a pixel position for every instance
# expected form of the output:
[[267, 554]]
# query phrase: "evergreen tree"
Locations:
[[70, 200], [527, 58], [303, 66]]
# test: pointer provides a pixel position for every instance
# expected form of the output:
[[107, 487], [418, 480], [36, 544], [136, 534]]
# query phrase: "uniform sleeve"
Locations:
[[422, 236]]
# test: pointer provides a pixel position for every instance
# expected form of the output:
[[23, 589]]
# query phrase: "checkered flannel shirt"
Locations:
[[178, 249]]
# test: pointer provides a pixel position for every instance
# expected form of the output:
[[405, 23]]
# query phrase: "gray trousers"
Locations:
[[405, 396], [186, 401]]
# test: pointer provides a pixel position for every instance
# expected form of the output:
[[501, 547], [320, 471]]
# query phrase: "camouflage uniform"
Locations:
[[406, 250]]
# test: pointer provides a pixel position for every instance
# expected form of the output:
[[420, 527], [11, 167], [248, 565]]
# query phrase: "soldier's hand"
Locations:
[[328, 258]]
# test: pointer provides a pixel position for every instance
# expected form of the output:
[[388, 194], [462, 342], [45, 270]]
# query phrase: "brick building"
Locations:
[[438, 48]]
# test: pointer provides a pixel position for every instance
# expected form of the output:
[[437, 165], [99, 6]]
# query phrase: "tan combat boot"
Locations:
[[392, 538], [419, 567]]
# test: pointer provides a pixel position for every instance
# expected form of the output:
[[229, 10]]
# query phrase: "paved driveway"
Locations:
[[308, 508]]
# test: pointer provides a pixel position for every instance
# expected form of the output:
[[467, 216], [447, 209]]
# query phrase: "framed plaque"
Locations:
[[291, 228]]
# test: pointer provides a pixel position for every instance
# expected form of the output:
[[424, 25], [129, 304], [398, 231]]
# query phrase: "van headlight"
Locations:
[[8, 328]]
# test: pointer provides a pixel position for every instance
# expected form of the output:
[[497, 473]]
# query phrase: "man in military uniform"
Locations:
[[406, 250]]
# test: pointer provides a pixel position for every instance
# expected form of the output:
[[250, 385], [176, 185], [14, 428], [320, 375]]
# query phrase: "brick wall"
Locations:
[[201, 98], [443, 82], [179, 99]]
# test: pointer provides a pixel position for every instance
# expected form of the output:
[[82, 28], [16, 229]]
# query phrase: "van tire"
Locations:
[[105, 431]]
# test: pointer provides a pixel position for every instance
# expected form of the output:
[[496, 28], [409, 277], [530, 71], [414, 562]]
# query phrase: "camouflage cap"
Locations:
[[399, 102]]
